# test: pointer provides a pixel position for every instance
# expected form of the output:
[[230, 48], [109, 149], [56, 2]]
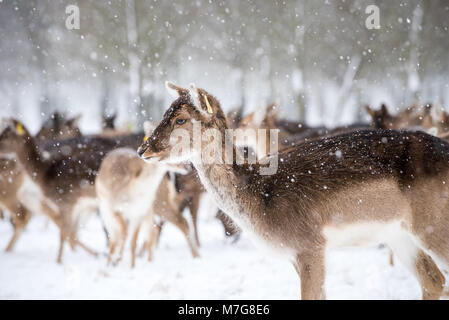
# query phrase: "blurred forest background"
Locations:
[[315, 57]]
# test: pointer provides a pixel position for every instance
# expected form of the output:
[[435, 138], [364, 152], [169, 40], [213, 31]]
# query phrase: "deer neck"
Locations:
[[226, 185], [30, 159]]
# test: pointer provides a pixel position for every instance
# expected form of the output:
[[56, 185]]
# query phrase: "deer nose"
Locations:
[[141, 151]]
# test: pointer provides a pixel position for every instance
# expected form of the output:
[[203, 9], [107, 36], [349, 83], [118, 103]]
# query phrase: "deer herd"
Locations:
[[384, 182]]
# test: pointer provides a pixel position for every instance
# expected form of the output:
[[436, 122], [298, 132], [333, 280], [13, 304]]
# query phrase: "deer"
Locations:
[[189, 192], [108, 122], [356, 188], [168, 207], [15, 186], [12, 188], [127, 190], [58, 127], [64, 183], [412, 118]]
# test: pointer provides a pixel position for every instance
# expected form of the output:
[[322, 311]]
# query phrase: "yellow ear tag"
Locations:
[[209, 108], [19, 129], [145, 138]]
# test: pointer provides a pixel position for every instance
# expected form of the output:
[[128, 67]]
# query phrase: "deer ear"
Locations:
[[369, 110], [73, 122], [18, 127], [273, 110], [174, 90], [260, 114], [195, 95]]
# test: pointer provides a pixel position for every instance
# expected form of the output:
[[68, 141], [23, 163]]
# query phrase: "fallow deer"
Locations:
[[58, 127], [412, 118], [16, 191], [108, 122], [64, 182], [127, 188], [189, 190], [362, 187], [168, 207], [262, 119], [12, 188]]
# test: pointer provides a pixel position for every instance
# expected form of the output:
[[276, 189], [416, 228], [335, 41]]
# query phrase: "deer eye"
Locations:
[[180, 121]]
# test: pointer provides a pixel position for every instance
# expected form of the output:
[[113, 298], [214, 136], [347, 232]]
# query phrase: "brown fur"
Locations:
[[368, 176]]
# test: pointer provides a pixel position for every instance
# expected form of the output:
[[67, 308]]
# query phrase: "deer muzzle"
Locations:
[[146, 154]]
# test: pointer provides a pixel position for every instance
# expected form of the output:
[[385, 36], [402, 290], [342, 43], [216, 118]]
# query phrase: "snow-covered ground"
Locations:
[[224, 271]]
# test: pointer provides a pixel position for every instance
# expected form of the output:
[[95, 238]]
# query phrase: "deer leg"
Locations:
[[175, 217], [134, 245], [20, 218], [153, 239], [112, 246], [86, 248], [311, 270], [150, 241], [231, 230], [421, 265], [123, 235], [391, 258], [194, 204], [431, 279], [62, 238], [158, 229]]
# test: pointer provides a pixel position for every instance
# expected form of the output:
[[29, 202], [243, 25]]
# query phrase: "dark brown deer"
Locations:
[[411, 118], [64, 182], [58, 127], [369, 186], [16, 191]]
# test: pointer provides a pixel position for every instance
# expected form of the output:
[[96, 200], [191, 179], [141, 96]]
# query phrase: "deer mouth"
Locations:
[[147, 155]]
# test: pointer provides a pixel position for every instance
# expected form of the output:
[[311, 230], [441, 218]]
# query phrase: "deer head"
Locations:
[[108, 121], [191, 106], [58, 126], [263, 119], [381, 119], [13, 137]]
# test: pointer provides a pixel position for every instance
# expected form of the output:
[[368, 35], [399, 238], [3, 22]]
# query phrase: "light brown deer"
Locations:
[[363, 187], [168, 207], [127, 190], [265, 118], [189, 192], [13, 187]]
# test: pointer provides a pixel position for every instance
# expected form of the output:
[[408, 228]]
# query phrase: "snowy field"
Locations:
[[224, 271]]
